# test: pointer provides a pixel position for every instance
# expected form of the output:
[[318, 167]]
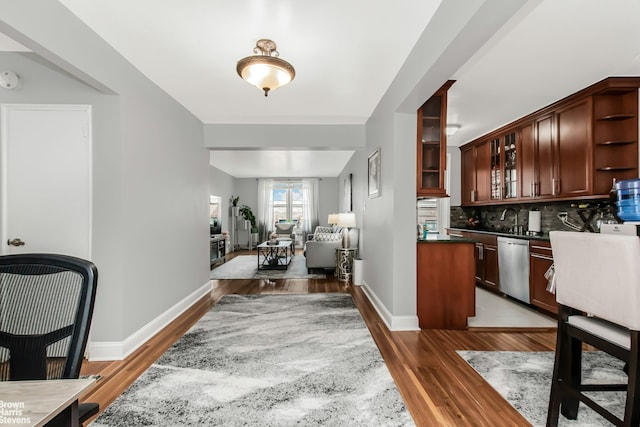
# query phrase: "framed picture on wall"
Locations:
[[347, 193], [374, 174]]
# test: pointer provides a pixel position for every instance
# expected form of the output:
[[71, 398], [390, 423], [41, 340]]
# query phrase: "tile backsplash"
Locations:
[[582, 214]]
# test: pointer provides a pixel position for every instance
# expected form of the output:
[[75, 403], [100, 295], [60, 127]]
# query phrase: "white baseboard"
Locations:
[[394, 323], [118, 350]]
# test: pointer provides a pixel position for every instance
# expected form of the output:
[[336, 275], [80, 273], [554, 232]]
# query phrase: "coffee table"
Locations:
[[274, 257]]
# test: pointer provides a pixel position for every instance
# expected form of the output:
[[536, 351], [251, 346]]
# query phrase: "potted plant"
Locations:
[[234, 205], [248, 215]]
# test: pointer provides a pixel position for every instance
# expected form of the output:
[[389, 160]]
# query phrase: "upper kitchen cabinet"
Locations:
[[489, 169], [574, 157], [476, 173], [432, 144], [615, 136], [570, 150]]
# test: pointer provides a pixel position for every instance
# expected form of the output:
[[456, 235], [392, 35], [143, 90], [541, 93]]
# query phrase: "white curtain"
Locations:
[[309, 205], [265, 208]]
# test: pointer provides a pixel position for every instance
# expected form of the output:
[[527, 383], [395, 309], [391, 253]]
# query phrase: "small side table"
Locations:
[[344, 263]]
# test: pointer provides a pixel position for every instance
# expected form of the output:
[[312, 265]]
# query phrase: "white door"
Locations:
[[45, 179]]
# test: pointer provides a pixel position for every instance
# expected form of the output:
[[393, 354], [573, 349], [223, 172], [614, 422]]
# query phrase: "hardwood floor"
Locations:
[[439, 388]]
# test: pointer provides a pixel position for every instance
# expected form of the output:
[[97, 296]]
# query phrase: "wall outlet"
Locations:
[[562, 215]]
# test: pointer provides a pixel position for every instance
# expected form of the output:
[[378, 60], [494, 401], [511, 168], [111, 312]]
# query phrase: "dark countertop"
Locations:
[[543, 236], [445, 238]]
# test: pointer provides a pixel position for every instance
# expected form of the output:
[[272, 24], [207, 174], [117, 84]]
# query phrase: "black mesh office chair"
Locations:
[[46, 305]]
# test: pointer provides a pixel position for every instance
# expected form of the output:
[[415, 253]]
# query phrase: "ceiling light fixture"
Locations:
[[452, 129], [265, 71]]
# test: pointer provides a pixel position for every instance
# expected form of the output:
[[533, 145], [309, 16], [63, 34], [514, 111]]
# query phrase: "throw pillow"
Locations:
[[320, 229], [327, 237]]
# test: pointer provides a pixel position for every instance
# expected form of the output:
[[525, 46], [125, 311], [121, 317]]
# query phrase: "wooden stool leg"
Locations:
[[572, 378], [632, 406], [556, 394]]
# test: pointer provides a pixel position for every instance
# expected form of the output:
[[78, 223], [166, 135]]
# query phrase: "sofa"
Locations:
[[320, 247]]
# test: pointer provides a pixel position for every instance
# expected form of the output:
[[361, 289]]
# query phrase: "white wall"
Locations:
[[328, 190], [151, 176], [223, 185], [455, 187]]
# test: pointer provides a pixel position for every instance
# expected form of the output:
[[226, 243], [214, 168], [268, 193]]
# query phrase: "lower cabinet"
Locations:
[[486, 257], [540, 259], [218, 250], [486, 254], [490, 279]]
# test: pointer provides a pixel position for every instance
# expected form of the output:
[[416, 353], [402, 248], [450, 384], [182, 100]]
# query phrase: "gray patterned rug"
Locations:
[[246, 267], [267, 360], [524, 380]]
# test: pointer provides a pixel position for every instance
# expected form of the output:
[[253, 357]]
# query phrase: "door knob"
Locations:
[[15, 242]]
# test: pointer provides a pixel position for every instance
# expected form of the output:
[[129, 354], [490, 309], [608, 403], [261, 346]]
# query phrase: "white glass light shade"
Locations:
[[333, 219], [266, 71], [347, 219]]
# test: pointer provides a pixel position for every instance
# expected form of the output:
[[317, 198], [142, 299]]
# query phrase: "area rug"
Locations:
[[246, 267], [524, 380], [267, 360]]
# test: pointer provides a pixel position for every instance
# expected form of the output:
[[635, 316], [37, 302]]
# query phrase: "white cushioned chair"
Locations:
[[285, 233], [598, 294]]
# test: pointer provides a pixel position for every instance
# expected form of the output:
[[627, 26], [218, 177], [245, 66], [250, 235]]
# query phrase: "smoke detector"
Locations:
[[9, 80]]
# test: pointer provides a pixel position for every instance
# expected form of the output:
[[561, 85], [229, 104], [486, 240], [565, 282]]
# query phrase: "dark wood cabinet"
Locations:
[[476, 173], [468, 168], [544, 166], [540, 259], [527, 162], [573, 153], [485, 256], [432, 144], [445, 285], [570, 150], [503, 160]]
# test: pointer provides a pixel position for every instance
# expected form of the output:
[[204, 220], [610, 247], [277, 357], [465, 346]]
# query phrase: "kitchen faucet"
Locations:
[[515, 215]]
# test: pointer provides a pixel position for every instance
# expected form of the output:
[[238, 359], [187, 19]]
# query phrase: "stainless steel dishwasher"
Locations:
[[513, 265]]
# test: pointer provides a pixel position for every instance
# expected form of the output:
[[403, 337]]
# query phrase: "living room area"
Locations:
[[252, 213]]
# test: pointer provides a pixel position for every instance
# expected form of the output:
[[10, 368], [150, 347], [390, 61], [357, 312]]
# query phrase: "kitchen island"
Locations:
[[446, 282]]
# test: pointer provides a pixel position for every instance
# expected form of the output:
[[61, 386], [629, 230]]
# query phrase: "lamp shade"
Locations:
[[333, 219], [347, 219], [266, 71]]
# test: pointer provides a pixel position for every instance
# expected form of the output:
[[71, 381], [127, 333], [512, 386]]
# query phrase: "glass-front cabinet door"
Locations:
[[495, 170], [503, 167], [432, 144], [510, 167]]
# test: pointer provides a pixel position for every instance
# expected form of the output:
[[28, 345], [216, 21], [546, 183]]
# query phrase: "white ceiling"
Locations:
[[346, 54]]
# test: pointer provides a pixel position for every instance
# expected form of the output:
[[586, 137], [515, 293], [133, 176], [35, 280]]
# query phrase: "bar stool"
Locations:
[[598, 295]]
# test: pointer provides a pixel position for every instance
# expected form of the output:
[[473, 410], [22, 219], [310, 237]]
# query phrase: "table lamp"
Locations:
[[333, 219], [346, 220]]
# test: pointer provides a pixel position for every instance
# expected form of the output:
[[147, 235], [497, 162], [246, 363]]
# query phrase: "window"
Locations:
[[287, 201]]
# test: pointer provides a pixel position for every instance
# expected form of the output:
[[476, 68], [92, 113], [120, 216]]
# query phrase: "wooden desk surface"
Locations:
[[34, 403]]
